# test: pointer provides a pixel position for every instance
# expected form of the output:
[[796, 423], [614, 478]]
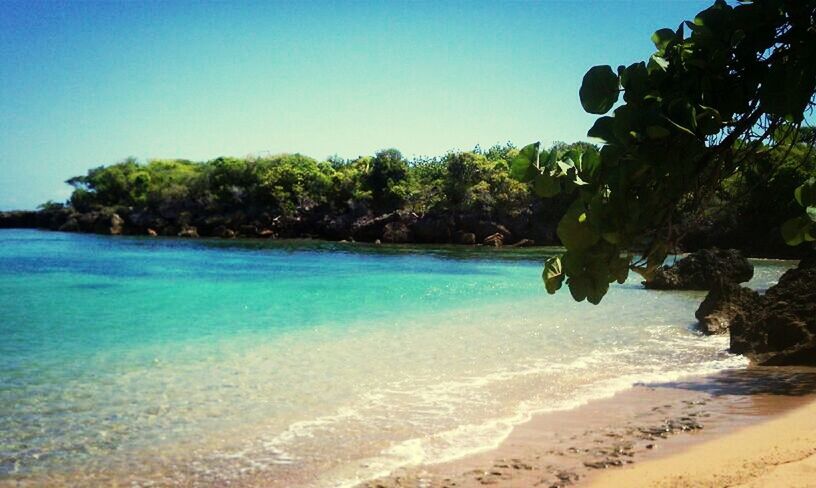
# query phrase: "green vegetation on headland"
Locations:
[[461, 197]]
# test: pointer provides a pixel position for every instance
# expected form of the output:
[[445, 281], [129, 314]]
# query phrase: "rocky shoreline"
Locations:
[[359, 224]]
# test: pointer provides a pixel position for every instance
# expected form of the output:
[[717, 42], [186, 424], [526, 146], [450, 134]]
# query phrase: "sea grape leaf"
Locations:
[[553, 274], [604, 128], [545, 185], [574, 229], [796, 230], [805, 194], [661, 38], [523, 166], [599, 90]]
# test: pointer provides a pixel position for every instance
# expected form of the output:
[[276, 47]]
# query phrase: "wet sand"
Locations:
[[650, 436]]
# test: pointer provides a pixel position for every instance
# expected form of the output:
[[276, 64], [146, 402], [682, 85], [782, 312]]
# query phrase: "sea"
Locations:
[[137, 361]]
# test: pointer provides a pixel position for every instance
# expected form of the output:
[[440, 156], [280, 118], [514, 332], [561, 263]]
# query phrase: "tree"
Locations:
[[734, 83], [388, 171]]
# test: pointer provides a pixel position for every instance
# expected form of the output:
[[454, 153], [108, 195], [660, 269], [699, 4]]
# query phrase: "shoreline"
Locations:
[[624, 434], [371, 244]]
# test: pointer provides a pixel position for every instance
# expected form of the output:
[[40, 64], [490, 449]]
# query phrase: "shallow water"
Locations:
[[164, 361]]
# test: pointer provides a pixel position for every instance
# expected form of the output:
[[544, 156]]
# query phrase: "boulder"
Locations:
[[370, 228], [188, 231], [432, 229], [780, 328], [105, 222], [223, 232], [523, 243], [723, 305], [117, 224], [495, 240], [152, 233], [396, 233], [70, 225], [467, 238], [703, 270]]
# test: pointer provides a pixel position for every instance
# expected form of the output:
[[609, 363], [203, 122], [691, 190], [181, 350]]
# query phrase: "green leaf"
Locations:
[[546, 186], [604, 128], [590, 162], [599, 90], [662, 38], [657, 64], [805, 194], [523, 166], [578, 287], [657, 132], [811, 213], [796, 230], [619, 269], [709, 120], [553, 274], [574, 229], [596, 291]]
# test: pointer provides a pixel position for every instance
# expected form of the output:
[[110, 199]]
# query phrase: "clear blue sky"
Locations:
[[84, 84]]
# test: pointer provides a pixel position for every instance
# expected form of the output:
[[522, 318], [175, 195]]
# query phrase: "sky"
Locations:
[[85, 83]]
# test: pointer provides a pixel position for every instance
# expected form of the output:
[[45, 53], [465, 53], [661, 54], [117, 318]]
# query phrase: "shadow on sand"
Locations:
[[776, 380]]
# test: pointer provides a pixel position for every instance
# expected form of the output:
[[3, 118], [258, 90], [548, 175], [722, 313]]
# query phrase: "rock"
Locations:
[[248, 230], [223, 232], [116, 225], [523, 243], [188, 231], [266, 233], [70, 225], [396, 233], [369, 228], [467, 238], [495, 240], [780, 329], [377, 242], [105, 222], [703, 270], [722, 305], [432, 229], [152, 233], [18, 219]]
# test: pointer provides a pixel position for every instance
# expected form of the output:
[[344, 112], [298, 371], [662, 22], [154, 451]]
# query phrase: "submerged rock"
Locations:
[[703, 270]]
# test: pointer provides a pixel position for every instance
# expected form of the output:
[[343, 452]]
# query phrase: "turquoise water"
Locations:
[[164, 361]]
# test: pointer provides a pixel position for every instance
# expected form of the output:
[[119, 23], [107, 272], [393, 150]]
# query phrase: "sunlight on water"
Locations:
[[131, 360]]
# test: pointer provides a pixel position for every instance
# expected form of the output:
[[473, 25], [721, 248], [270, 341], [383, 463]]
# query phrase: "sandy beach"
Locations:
[[752, 427], [779, 452]]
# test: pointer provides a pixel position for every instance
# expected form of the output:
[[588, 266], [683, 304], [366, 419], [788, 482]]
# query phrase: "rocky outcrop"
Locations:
[[723, 305], [19, 219], [779, 328], [353, 221], [703, 270], [396, 233]]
